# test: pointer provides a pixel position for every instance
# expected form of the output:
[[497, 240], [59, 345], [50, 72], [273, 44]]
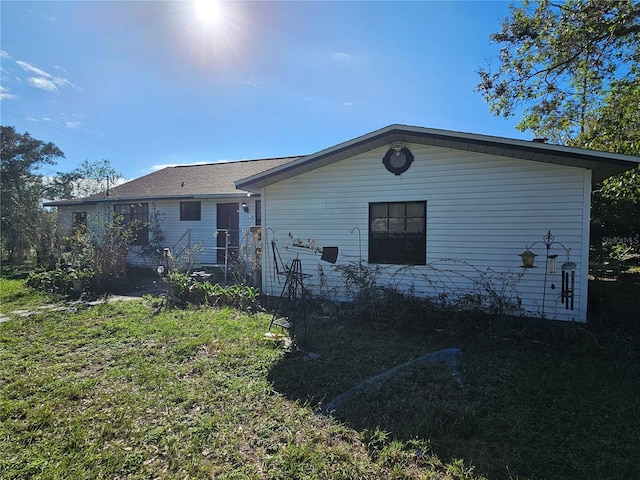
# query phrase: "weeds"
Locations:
[[184, 290], [453, 285], [66, 282]]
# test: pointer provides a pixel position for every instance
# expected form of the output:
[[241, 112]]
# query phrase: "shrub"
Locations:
[[184, 290], [61, 281]]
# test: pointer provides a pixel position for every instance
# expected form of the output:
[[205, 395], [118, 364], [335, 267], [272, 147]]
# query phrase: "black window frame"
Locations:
[[135, 212], [398, 233], [190, 211], [258, 208]]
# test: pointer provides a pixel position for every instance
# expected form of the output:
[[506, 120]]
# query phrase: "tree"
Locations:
[[88, 179], [615, 209], [572, 71], [559, 63], [22, 189]]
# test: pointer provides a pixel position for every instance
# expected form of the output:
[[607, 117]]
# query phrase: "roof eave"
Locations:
[[195, 196], [603, 164]]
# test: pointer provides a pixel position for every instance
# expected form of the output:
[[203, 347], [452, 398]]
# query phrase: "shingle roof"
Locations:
[[188, 181], [602, 164]]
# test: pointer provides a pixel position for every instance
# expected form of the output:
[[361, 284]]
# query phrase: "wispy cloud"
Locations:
[[73, 124], [342, 56], [347, 104], [5, 94], [28, 67], [4, 54], [252, 82], [42, 79], [42, 84]]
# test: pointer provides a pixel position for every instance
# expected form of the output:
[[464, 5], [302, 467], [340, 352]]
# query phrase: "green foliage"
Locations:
[[153, 252], [94, 261], [102, 251], [558, 63], [21, 190], [361, 284], [110, 243], [615, 213], [616, 123], [46, 245], [90, 178], [615, 210], [62, 281], [15, 270], [184, 290]]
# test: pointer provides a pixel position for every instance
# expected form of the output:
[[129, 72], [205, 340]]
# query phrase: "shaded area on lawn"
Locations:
[[116, 392], [541, 399]]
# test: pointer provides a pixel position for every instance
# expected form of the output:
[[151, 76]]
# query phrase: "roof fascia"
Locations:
[[603, 164], [93, 201]]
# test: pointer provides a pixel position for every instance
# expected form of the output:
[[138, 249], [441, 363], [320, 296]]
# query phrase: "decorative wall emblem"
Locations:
[[398, 159]]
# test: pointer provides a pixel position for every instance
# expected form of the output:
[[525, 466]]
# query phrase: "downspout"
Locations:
[[584, 260], [265, 241]]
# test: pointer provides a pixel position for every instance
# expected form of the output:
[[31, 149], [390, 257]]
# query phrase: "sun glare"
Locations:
[[208, 11], [213, 30]]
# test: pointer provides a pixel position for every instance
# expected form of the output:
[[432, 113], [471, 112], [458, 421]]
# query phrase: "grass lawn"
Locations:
[[114, 391]]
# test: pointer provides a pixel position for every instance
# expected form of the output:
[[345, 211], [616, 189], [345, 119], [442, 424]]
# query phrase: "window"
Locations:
[[189, 211], [258, 212], [138, 213], [397, 233], [78, 222]]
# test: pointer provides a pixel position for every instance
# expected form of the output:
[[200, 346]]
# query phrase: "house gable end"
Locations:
[[603, 164]]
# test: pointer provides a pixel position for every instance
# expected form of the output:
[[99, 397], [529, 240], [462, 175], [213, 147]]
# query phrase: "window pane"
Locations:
[[415, 209], [140, 211], [396, 225], [190, 211], [379, 225], [415, 225], [379, 210], [396, 209]]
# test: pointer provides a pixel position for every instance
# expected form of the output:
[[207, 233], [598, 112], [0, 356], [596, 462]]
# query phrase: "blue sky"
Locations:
[[150, 84]]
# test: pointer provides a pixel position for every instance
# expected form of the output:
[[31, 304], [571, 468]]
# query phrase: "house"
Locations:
[[438, 213], [197, 208]]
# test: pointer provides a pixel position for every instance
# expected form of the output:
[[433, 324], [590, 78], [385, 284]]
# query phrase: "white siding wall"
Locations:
[[65, 215], [482, 211], [65, 218], [175, 232], [203, 232]]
